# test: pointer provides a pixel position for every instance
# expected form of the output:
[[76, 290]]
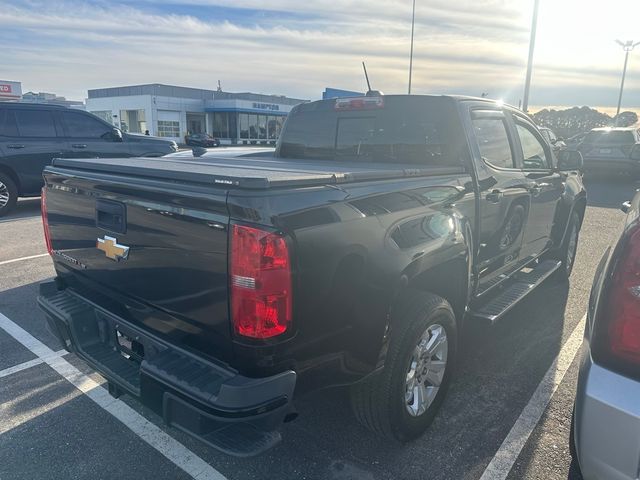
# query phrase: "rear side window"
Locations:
[[80, 125], [493, 141], [8, 126], [411, 130], [35, 123]]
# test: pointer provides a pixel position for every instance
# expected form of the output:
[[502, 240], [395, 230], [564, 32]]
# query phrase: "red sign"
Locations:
[[5, 88]]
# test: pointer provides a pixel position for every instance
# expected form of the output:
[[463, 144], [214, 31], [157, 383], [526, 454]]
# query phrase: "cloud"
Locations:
[[298, 48]]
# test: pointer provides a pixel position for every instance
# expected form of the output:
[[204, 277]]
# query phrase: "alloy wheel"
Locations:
[[4, 195], [426, 370]]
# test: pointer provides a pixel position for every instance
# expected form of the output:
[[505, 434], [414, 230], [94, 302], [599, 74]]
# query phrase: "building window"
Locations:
[[244, 125], [221, 125], [279, 124], [262, 125], [133, 121], [168, 128], [253, 126], [104, 115], [272, 128]]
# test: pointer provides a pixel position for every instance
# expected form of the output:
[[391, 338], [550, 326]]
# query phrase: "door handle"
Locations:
[[494, 196], [536, 189], [15, 146], [79, 145]]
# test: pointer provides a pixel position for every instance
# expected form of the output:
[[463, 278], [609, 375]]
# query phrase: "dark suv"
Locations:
[[31, 135], [612, 151]]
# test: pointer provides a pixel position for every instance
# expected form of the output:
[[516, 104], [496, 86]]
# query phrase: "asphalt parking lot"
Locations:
[[507, 414]]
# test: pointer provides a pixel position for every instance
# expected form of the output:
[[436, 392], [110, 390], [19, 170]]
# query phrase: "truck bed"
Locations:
[[252, 172]]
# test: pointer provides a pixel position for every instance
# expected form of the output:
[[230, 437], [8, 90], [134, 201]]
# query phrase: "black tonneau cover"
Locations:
[[253, 172]]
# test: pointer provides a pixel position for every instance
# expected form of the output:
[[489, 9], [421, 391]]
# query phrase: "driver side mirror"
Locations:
[[116, 135], [570, 160]]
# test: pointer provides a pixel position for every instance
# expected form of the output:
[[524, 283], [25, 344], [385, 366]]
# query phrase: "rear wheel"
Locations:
[[8, 194], [401, 401]]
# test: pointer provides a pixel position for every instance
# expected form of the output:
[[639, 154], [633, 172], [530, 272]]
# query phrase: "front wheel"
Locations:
[[401, 401]]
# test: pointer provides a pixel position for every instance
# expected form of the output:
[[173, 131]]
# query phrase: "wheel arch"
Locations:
[[13, 176]]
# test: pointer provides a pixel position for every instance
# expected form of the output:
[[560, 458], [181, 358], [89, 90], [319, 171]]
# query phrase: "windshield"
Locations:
[[416, 130], [613, 137]]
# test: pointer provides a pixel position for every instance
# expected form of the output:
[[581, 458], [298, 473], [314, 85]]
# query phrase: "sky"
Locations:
[[297, 48]]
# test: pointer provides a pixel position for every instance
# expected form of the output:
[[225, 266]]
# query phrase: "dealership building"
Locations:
[[10, 91], [172, 112]]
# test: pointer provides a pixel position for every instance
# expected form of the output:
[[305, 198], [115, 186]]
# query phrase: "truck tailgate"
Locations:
[[153, 249]]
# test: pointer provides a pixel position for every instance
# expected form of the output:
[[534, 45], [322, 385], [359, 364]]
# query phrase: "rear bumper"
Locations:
[[611, 166], [607, 423], [233, 413]]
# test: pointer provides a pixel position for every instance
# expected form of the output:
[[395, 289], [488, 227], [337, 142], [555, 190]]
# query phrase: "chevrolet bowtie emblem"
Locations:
[[112, 249]]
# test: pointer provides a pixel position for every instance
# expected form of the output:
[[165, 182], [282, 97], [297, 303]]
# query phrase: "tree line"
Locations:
[[569, 122]]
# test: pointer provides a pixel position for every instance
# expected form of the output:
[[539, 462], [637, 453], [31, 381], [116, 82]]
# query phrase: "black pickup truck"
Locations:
[[213, 289]]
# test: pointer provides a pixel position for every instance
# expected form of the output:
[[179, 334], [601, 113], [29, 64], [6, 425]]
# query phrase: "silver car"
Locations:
[[606, 429]]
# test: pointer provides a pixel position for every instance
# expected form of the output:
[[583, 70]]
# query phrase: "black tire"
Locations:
[[572, 437], [379, 401], [7, 187], [575, 463], [567, 252]]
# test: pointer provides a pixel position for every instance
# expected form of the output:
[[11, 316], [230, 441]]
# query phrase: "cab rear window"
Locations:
[[414, 130], [610, 138]]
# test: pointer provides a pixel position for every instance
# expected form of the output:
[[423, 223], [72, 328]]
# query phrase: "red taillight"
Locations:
[[622, 309], [45, 220], [260, 274]]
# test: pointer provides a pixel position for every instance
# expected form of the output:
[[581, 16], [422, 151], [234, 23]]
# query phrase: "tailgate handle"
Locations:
[[111, 216]]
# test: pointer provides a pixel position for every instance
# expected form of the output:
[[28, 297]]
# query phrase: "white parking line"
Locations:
[[17, 219], [29, 364], [507, 454], [30, 257], [168, 446]]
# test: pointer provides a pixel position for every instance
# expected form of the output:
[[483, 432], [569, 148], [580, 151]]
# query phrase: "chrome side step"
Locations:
[[524, 281]]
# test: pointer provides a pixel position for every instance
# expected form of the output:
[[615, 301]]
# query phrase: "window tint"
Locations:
[[80, 125], [493, 141], [419, 131], [35, 123], [8, 126], [532, 148], [612, 137]]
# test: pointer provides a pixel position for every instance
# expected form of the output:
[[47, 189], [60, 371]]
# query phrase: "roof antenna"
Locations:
[[370, 93]]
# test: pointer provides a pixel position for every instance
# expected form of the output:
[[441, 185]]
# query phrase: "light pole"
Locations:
[[532, 44], [413, 23], [627, 47]]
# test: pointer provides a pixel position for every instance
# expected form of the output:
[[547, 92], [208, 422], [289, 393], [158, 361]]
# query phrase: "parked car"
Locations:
[[557, 143], [606, 422], [201, 140], [354, 256], [32, 134], [611, 151]]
